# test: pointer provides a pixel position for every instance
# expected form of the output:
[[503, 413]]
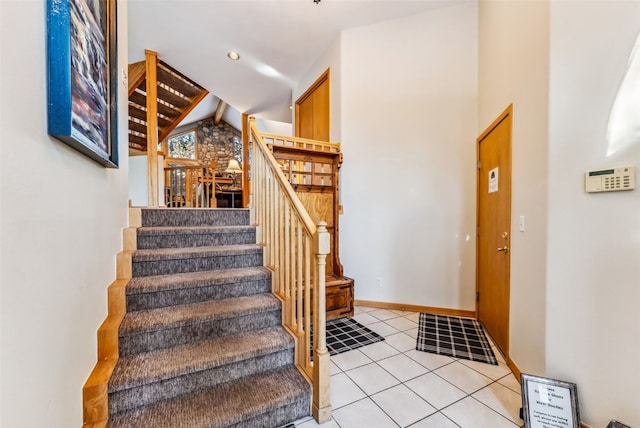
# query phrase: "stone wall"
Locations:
[[216, 142]]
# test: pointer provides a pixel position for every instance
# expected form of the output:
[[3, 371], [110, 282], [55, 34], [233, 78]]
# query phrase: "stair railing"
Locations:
[[291, 244]]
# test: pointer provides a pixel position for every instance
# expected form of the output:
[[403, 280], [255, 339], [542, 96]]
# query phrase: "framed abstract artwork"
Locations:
[[82, 76]]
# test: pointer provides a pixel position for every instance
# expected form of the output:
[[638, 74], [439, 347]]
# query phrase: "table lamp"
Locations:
[[234, 168]]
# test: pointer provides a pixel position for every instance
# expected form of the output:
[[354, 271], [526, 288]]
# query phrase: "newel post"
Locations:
[[321, 408]]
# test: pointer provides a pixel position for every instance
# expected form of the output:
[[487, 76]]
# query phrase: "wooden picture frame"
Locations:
[[82, 76], [549, 402]]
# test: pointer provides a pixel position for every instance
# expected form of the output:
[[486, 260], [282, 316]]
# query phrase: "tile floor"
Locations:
[[390, 384]]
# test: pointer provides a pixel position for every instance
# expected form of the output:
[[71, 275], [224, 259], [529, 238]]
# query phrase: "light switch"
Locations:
[[521, 223]]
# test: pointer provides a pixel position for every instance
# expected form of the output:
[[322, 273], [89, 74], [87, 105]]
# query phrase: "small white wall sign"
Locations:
[[549, 403], [493, 180]]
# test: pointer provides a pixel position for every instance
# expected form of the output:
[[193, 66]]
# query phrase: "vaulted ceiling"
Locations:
[[278, 40]]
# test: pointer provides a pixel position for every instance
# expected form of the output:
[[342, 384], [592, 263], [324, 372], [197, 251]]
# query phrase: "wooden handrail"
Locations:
[[291, 240]]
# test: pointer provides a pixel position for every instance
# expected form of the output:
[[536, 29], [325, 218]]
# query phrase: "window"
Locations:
[[237, 149], [182, 145]]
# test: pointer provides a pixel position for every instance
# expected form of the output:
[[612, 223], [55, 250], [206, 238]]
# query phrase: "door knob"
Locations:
[[504, 249]]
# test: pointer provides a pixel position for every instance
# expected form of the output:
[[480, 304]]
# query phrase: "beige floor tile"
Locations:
[[350, 360], [470, 413], [437, 420], [511, 382], [435, 390], [334, 368], [403, 405], [311, 423], [344, 391], [489, 370], [365, 319], [402, 342], [502, 400], [383, 314], [413, 333], [383, 329], [429, 360], [413, 316], [401, 323], [372, 378], [402, 367], [463, 377], [364, 413], [379, 350]]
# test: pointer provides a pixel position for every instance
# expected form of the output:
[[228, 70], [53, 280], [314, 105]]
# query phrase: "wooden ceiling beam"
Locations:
[[217, 117]]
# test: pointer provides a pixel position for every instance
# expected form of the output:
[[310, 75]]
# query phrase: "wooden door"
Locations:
[[312, 111], [494, 229]]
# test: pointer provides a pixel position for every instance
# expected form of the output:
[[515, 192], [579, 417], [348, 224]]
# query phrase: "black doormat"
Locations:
[[345, 334], [454, 337]]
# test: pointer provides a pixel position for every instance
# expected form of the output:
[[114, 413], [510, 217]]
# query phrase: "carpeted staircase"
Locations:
[[202, 344]]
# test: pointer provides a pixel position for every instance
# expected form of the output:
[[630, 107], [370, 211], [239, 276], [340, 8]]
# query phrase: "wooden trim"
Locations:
[[246, 191], [152, 126], [95, 397], [324, 77], [508, 111], [137, 73], [514, 368], [417, 308], [315, 85]]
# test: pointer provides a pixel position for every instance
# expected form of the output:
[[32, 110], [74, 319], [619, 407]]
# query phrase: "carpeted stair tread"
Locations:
[[171, 317], [194, 236], [164, 364], [155, 283], [194, 252], [232, 404], [194, 217], [192, 230]]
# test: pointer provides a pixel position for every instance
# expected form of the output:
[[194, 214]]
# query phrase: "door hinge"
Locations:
[[477, 296], [479, 164]]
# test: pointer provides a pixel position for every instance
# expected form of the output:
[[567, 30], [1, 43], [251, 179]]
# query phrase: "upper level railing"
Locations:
[[300, 143], [189, 184], [295, 251]]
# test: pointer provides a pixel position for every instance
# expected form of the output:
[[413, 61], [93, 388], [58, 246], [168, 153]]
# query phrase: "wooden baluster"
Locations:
[[299, 297], [291, 259], [307, 301], [321, 408]]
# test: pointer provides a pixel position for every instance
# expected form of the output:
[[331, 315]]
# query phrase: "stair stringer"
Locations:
[[95, 396]]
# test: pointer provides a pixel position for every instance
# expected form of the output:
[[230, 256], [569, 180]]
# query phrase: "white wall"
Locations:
[[61, 220], [139, 180], [593, 279], [408, 128], [513, 41]]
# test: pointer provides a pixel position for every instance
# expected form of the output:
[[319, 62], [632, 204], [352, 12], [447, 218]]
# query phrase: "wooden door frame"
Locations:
[[324, 77], [506, 113]]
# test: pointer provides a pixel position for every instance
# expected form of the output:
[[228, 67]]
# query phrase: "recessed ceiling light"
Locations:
[[233, 55]]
